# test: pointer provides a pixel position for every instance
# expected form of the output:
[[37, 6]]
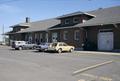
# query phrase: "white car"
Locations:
[[22, 45], [60, 47], [43, 46]]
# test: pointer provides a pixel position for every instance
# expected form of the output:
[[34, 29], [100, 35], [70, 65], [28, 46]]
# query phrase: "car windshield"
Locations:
[[47, 44], [54, 44]]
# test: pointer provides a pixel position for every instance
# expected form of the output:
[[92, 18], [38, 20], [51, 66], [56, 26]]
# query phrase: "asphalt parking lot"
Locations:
[[30, 65]]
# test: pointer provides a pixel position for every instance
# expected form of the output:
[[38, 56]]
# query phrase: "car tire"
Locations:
[[34, 47], [16, 48], [39, 50], [59, 50], [71, 50], [20, 48]]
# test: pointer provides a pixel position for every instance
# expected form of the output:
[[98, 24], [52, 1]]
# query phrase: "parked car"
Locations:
[[22, 45], [60, 47], [43, 46]]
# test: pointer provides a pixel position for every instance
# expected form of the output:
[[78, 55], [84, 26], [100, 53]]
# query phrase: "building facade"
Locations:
[[93, 30]]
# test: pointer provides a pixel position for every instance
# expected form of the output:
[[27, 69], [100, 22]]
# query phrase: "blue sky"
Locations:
[[15, 12]]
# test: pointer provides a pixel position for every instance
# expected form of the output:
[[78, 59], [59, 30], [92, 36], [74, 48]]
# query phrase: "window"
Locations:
[[67, 21], [41, 37], [19, 42], [76, 35], [64, 44], [60, 44], [36, 35], [54, 44], [75, 20], [54, 37], [65, 37]]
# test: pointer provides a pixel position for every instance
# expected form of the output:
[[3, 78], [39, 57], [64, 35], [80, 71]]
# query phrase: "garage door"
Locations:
[[105, 41]]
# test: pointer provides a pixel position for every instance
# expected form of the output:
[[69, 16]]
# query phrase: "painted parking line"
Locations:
[[96, 78], [91, 67], [81, 80]]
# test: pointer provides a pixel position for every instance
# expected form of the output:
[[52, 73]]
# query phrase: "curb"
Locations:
[[100, 53]]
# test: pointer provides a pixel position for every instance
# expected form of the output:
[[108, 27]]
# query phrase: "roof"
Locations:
[[40, 25], [103, 17], [59, 26], [73, 14], [9, 33], [20, 24]]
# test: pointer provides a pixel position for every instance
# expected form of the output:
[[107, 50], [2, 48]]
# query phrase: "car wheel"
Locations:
[[39, 50], [34, 47], [20, 48], [45, 49], [60, 50], [16, 49], [71, 50]]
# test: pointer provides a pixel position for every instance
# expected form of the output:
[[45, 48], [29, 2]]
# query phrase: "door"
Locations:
[[54, 37], [105, 41]]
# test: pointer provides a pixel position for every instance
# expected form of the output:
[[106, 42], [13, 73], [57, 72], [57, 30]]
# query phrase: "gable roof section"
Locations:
[[103, 16], [40, 25], [20, 25], [9, 33], [74, 14]]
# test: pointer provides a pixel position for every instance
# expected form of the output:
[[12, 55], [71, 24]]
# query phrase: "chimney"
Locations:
[[27, 19]]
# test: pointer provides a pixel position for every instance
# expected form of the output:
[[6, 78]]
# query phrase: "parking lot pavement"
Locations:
[[30, 65]]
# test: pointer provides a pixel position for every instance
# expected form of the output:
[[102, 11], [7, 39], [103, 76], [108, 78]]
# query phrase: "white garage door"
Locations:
[[105, 41]]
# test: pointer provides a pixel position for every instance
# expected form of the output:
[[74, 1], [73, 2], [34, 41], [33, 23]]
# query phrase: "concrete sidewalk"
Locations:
[[98, 52]]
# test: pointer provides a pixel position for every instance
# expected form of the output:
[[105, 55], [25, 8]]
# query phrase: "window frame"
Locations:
[[67, 20], [75, 21], [75, 35], [65, 33]]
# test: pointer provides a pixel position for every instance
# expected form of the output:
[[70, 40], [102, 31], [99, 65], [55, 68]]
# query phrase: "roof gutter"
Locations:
[[62, 28], [116, 26], [89, 14]]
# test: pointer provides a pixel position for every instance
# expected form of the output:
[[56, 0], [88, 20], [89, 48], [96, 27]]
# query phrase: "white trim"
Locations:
[[63, 28], [83, 21], [90, 14], [105, 30]]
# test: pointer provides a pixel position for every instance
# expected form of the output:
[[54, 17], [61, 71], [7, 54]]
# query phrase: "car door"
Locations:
[[65, 47]]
